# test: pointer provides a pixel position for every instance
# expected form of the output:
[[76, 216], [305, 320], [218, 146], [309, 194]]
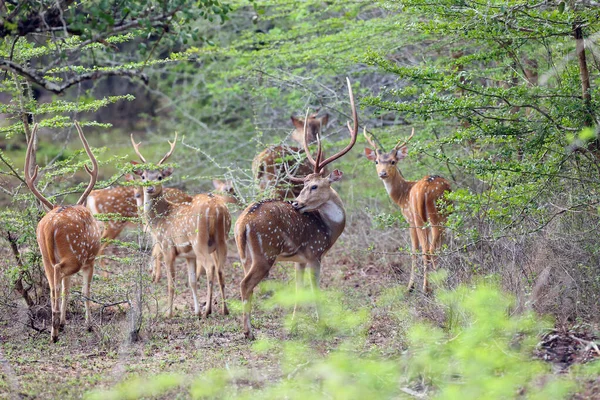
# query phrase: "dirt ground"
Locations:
[[32, 367]]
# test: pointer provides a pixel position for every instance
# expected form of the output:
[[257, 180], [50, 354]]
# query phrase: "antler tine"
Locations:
[[170, 151], [94, 171], [308, 156], [289, 176], [136, 147], [369, 140], [29, 179], [353, 131], [398, 145], [319, 153]]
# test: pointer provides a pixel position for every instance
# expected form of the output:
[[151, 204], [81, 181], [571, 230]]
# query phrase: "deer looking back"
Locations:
[[301, 231]]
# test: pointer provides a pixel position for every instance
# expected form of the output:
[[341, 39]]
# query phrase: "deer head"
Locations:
[[386, 163], [313, 127]]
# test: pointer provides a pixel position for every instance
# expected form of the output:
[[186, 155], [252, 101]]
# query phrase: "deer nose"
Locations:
[[383, 174], [150, 189], [296, 205]]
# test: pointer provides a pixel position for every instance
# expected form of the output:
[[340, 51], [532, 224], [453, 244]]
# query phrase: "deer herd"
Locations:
[[196, 228]]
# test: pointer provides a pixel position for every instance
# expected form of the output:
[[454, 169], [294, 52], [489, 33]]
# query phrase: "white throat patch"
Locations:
[[388, 186], [332, 212]]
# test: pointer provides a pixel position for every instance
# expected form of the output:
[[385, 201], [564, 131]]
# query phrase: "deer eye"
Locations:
[[160, 178], [376, 162], [393, 162], [143, 177], [314, 187]]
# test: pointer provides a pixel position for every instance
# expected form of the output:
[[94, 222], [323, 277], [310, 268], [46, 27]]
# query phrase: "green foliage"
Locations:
[[485, 353]]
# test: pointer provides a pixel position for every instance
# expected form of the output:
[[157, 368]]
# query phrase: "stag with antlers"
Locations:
[[196, 231], [123, 203], [68, 236], [270, 166], [419, 201], [301, 231]]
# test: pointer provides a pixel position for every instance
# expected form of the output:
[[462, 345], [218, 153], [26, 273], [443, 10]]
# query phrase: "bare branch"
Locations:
[[33, 76]]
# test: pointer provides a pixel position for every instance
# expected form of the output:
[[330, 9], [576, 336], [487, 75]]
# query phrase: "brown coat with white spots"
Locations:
[[196, 231], [302, 231], [419, 202], [125, 201], [69, 239]]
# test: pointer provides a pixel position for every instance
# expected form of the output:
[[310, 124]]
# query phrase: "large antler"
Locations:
[[398, 145], [316, 162], [30, 180], [353, 133], [93, 172]]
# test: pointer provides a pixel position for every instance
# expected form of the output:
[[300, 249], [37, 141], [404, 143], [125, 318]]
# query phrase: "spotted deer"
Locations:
[[269, 167], [68, 237], [196, 231], [226, 190], [302, 231], [124, 203], [419, 202]]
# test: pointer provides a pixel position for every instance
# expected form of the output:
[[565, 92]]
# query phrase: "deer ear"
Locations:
[[402, 152], [298, 123], [335, 175], [217, 184], [138, 172], [371, 154], [167, 171], [128, 177], [324, 120]]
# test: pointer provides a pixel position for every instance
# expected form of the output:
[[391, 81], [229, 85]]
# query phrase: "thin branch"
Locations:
[[33, 76]]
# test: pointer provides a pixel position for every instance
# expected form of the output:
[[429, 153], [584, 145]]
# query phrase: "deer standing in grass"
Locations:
[[68, 237], [269, 167], [124, 202], [301, 231], [419, 201], [196, 231]]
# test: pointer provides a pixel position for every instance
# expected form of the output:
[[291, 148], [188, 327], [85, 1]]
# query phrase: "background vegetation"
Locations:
[[503, 97]]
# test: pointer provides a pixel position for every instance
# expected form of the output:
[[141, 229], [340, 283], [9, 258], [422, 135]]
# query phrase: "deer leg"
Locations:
[[423, 241], [210, 276], [314, 277], [258, 271], [219, 257], [414, 245], [170, 266], [193, 282], [300, 267], [55, 284], [157, 256], [87, 272], [66, 285]]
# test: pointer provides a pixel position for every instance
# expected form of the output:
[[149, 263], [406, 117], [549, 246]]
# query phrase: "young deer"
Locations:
[[125, 201], [194, 231], [418, 201], [269, 167], [302, 231], [69, 239]]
